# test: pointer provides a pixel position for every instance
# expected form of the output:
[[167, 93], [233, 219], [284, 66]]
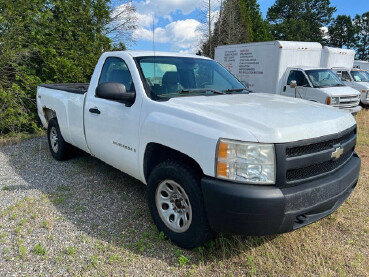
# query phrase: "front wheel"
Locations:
[[176, 204]]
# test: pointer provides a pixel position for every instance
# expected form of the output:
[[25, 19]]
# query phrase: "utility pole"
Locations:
[[209, 22]]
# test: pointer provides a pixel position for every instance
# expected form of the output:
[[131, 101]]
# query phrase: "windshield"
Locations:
[[360, 76], [323, 78], [168, 77]]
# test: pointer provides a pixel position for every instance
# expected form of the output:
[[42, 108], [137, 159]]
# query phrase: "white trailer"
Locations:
[[342, 62], [287, 68]]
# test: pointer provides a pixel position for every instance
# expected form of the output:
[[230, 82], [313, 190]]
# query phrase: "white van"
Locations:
[[288, 68], [342, 62]]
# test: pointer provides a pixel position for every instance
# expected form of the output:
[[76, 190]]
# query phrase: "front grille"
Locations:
[[304, 161], [317, 169], [320, 146], [349, 101]]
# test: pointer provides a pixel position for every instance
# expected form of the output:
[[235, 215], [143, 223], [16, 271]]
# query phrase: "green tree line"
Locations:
[[240, 21], [46, 41]]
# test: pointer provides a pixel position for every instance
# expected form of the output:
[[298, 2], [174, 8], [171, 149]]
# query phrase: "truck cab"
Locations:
[[320, 85], [357, 79]]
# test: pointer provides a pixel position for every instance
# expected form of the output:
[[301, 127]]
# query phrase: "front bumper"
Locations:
[[262, 210], [354, 110]]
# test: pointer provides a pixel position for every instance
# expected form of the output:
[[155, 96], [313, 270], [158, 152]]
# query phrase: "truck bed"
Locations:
[[79, 88]]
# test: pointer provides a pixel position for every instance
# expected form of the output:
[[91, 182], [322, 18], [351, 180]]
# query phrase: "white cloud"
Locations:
[[165, 7], [181, 34]]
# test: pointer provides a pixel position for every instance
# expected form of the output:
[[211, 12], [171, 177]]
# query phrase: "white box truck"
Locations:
[[342, 62], [288, 68], [364, 65]]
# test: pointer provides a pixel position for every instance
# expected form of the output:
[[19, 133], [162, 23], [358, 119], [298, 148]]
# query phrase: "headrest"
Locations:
[[170, 78], [120, 76]]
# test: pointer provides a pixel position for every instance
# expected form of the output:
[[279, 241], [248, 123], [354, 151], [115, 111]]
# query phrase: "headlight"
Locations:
[[245, 162], [335, 101]]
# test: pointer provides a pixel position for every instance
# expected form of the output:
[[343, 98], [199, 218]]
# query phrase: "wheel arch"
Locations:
[[156, 153], [49, 114]]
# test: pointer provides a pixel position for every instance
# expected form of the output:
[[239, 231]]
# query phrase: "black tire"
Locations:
[[198, 231], [61, 152]]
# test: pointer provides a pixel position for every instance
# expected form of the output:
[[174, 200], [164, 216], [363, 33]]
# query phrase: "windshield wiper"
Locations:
[[236, 90], [189, 91], [183, 91]]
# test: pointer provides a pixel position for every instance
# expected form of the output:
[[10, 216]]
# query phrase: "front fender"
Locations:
[[188, 137]]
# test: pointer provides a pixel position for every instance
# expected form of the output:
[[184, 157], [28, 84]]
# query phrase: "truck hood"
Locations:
[[263, 117], [361, 85], [340, 91]]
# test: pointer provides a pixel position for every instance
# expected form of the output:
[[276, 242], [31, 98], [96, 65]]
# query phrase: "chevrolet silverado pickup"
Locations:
[[214, 156]]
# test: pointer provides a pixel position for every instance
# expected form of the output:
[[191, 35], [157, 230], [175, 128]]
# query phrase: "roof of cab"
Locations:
[[304, 67], [137, 53]]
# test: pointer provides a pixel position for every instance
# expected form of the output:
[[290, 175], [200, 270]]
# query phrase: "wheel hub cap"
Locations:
[[54, 141], [173, 206]]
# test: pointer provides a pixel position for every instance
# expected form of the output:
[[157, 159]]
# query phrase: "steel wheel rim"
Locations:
[[54, 141], [173, 206]]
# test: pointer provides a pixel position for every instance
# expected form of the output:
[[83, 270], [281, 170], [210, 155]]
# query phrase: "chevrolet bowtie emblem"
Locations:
[[337, 153]]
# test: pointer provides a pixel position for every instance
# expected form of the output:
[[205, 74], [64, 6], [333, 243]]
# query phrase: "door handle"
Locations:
[[94, 110]]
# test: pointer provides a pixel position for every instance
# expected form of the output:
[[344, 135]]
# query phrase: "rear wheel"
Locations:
[[59, 148], [176, 204]]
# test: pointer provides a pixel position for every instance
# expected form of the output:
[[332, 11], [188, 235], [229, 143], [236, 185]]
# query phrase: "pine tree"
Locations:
[[300, 20], [240, 21], [361, 22], [342, 32]]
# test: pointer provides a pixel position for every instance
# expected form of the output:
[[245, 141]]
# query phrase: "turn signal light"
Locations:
[[328, 100]]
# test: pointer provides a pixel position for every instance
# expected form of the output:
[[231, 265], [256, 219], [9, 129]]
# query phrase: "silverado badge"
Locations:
[[337, 153]]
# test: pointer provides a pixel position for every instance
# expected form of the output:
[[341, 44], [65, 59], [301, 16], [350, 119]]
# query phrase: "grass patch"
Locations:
[[70, 250], [39, 250], [45, 224], [15, 138], [22, 250]]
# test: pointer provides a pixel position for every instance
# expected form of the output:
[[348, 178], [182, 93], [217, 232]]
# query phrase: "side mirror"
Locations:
[[293, 84], [115, 91]]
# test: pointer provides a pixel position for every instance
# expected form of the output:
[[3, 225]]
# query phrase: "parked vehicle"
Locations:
[[342, 62], [288, 68], [214, 157], [357, 79], [364, 65]]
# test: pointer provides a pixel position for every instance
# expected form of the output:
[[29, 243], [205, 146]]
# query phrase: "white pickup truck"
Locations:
[[214, 157]]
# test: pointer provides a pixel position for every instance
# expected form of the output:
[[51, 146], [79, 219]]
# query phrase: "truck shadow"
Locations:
[[108, 205]]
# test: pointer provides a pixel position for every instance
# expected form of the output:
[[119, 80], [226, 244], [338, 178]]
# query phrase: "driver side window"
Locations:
[[299, 77], [345, 76], [116, 70]]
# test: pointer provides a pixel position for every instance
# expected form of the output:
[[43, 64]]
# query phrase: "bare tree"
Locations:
[[123, 22], [209, 14]]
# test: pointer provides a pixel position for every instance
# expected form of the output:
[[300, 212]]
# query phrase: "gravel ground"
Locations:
[[82, 217], [78, 217]]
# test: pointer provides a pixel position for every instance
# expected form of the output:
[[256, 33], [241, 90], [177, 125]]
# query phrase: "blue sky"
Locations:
[[179, 24]]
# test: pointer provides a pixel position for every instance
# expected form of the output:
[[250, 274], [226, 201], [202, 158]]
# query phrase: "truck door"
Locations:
[[302, 84], [345, 78], [111, 127]]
